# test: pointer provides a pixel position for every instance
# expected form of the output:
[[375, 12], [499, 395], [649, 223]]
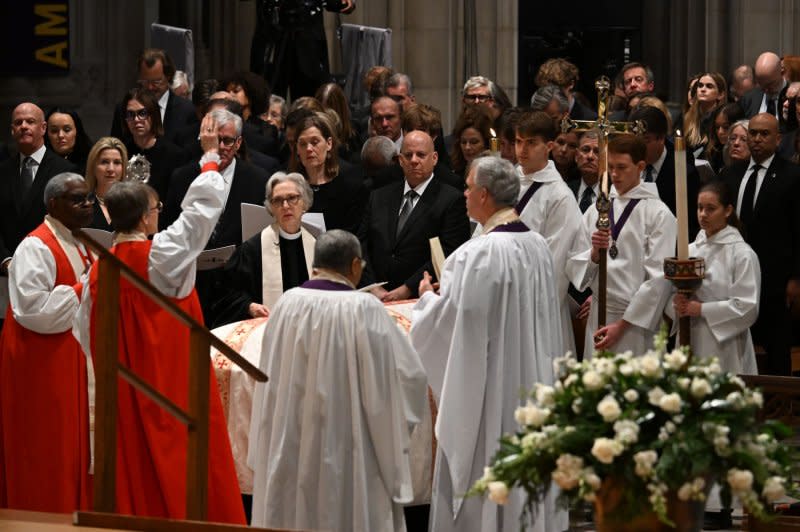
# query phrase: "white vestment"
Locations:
[[329, 433], [729, 296], [490, 334], [636, 289], [553, 213]]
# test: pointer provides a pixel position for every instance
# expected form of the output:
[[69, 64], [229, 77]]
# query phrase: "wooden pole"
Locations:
[[197, 456], [603, 222]]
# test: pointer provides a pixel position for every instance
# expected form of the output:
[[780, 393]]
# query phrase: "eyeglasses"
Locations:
[[159, 207], [477, 98], [228, 141], [79, 199], [141, 114], [151, 82], [291, 200]]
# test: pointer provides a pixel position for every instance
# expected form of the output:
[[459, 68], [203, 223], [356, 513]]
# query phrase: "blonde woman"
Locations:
[[105, 165]]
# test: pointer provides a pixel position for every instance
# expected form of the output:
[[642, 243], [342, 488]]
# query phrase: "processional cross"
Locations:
[[606, 128]]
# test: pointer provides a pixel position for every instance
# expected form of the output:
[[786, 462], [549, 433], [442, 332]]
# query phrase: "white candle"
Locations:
[[493, 140], [681, 209]]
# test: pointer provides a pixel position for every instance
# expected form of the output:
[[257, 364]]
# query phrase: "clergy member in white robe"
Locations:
[[546, 204], [726, 304], [643, 233], [329, 433], [490, 333]]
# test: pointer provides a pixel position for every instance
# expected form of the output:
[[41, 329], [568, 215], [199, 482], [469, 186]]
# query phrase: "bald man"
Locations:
[[23, 178], [767, 96], [401, 217], [767, 193]]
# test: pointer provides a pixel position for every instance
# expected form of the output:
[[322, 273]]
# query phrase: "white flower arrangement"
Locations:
[[669, 425]]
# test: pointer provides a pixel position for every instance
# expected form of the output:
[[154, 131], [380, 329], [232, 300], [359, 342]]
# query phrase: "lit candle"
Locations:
[[681, 209], [602, 163], [493, 141]]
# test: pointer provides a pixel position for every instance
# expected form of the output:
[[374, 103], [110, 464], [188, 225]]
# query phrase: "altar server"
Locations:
[[491, 333], [726, 304], [329, 435], [44, 427], [642, 234], [151, 443]]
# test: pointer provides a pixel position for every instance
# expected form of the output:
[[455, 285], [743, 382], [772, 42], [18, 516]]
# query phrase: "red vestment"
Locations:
[[151, 444], [44, 425]]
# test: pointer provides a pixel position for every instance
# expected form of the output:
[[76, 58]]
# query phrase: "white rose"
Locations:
[[644, 462], [535, 416], [774, 489], [605, 366], [626, 431], [700, 388], [683, 383], [654, 396], [609, 408], [498, 492], [488, 474], [567, 473], [631, 395], [544, 395], [532, 440], [675, 360], [738, 382], [626, 369], [670, 403], [592, 380], [606, 449], [740, 480], [519, 415], [714, 368], [757, 399], [591, 478], [650, 365], [570, 380], [685, 491], [735, 399]]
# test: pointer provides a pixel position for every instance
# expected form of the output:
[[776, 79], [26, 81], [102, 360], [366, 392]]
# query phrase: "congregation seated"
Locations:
[[105, 165], [252, 93], [273, 260], [471, 135], [67, 137]]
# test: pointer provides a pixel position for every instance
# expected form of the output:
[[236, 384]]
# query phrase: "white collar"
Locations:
[[548, 174], [329, 275], [288, 236], [135, 236], [162, 102], [726, 235], [37, 156], [764, 165], [640, 191], [419, 189]]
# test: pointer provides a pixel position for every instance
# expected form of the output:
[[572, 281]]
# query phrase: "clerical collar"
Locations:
[[135, 236], [288, 236], [502, 217], [328, 275]]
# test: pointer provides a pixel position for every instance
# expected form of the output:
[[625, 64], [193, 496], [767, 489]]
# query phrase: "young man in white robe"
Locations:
[[642, 234], [490, 333], [546, 204], [329, 433]]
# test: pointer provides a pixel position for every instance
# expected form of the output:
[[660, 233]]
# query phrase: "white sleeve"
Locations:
[[172, 263], [580, 269], [36, 302], [731, 316], [562, 230]]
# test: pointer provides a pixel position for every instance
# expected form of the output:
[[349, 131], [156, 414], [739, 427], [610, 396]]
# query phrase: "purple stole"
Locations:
[[523, 201], [324, 284], [514, 227]]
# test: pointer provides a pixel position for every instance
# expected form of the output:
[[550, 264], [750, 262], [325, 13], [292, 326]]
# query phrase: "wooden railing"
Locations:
[[107, 368]]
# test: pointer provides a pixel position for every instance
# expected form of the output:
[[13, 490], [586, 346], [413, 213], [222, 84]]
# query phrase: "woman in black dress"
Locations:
[[105, 165]]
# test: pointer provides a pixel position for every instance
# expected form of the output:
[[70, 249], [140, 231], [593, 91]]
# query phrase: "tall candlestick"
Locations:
[[681, 209], [493, 140]]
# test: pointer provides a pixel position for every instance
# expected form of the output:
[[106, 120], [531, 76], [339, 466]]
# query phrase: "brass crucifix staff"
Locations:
[[606, 128]]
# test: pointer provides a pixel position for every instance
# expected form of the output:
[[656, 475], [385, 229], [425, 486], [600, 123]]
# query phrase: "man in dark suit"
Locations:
[[23, 178], [767, 189], [401, 218], [156, 71], [586, 188], [768, 95], [247, 184], [660, 161]]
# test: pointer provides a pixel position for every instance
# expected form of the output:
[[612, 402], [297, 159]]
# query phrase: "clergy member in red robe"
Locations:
[[44, 429], [151, 444]]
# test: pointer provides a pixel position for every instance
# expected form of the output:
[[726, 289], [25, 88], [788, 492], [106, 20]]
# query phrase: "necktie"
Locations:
[[405, 211], [26, 176], [749, 197], [648, 173], [771, 106], [586, 199]]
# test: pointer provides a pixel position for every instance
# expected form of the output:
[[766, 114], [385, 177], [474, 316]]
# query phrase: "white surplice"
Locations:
[[636, 289], [553, 213], [329, 433], [490, 334], [729, 296]]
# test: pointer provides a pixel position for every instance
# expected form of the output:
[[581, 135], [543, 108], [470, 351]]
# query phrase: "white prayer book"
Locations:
[[212, 259], [103, 237], [255, 219]]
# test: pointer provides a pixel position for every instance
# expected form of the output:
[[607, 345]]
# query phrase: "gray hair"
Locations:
[[477, 81], [498, 177], [379, 145], [57, 186], [273, 99], [335, 250], [745, 123], [180, 78], [397, 79], [306, 195], [544, 95], [224, 117]]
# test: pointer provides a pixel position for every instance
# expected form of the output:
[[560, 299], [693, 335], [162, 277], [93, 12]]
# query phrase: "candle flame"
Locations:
[[491, 130], [678, 133]]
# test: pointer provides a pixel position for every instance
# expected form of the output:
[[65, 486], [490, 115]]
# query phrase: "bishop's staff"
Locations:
[[605, 127]]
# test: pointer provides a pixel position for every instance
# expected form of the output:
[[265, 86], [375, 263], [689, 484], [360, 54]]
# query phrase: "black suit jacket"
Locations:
[[751, 101], [581, 112], [19, 216], [179, 113], [665, 182], [248, 186], [402, 258]]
